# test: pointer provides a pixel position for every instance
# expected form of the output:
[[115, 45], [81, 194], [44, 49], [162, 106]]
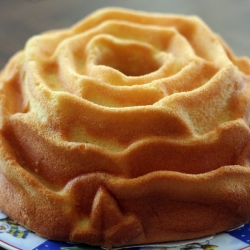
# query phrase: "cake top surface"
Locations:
[[119, 80]]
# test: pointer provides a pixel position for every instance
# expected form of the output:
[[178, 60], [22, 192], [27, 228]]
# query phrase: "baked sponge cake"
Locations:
[[126, 128]]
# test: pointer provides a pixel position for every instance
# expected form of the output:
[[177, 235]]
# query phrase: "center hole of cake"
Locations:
[[131, 59]]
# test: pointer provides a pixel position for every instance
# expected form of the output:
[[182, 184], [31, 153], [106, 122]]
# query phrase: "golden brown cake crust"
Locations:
[[127, 128]]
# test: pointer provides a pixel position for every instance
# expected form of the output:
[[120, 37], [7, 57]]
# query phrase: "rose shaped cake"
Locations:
[[127, 128]]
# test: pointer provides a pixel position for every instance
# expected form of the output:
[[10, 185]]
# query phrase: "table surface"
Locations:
[[22, 19]]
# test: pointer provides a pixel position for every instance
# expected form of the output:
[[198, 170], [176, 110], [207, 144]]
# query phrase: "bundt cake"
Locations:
[[127, 128]]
